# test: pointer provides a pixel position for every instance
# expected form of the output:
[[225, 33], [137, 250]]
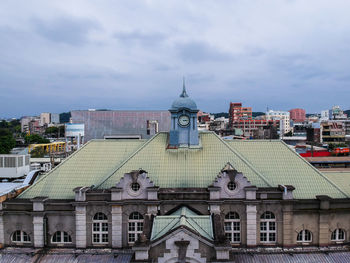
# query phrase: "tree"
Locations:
[[7, 142], [37, 152], [35, 138]]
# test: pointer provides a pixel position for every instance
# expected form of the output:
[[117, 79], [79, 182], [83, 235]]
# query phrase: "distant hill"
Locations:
[[347, 112]]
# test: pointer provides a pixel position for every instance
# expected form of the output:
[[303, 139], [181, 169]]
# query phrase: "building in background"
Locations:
[[25, 123], [45, 118], [118, 124], [237, 112], [332, 132], [297, 115], [338, 114], [283, 117], [54, 118]]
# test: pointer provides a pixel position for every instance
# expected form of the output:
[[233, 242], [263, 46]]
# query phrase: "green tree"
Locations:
[[7, 142], [35, 138], [37, 152]]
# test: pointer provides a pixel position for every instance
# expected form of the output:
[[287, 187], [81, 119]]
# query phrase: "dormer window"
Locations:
[[135, 187]]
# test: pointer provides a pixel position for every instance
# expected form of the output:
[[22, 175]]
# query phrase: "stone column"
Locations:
[[251, 225], [80, 226], [38, 225], [323, 232], [80, 216], [116, 226], [2, 236], [288, 226], [38, 221]]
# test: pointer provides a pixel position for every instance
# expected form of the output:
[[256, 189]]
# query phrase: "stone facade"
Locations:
[[267, 217]]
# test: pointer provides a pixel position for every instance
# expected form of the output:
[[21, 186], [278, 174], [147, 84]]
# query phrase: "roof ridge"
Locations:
[[126, 160], [317, 171], [244, 160], [170, 225], [55, 168], [188, 221]]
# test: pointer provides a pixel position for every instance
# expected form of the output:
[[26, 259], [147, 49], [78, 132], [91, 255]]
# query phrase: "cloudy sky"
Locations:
[[60, 55]]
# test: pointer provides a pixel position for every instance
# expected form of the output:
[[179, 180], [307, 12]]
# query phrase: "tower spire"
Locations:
[[184, 93]]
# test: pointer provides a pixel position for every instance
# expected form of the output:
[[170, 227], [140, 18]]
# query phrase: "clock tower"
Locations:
[[183, 131]]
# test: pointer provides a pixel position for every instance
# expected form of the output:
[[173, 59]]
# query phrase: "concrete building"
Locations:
[[181, 196], [45, 118], [283, 117], [237, 112], [14, 165], [54, 118], [332, 132], [297, 115], [117, 124]]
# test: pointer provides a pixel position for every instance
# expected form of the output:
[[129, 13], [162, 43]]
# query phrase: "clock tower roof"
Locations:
[[184, 101]]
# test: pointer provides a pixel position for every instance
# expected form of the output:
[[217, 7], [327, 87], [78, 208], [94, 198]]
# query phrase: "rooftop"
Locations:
[[103, 163]]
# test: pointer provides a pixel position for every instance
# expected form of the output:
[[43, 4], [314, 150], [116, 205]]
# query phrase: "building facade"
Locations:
[[297, 115], [283, 117], [181, 196]]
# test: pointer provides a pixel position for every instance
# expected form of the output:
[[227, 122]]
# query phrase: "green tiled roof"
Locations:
[[104, 162], [184, 167], [281, 165], [83, 168], [200, 224], [341, 179]]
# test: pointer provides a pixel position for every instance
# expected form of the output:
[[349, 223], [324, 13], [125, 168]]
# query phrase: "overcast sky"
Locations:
[[60, 55]]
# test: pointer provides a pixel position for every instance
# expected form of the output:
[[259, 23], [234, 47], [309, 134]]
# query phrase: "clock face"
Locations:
[[184, 120]]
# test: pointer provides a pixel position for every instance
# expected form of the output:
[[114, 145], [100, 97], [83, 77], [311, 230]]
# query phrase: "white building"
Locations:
[[45, 118], [283, 117]]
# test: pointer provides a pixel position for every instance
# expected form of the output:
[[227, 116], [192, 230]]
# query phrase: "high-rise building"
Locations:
[[297, 115], [237, 112]]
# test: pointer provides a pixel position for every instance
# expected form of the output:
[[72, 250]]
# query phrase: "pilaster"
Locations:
[[80, 226], [117, 226], [323, 232], [287, 226], [251, 225], [38, 221]]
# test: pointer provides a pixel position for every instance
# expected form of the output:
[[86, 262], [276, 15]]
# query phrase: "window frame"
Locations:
[[135, 224], [233, 222], [336, 232], [22, 234], [101, 224], [269, 220], [303, 235], [62, 233]]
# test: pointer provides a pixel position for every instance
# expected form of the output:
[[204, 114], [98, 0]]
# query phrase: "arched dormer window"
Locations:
[[135, 227], [20, 237], [338, 235], [268, 227], [304, 236], [60, 237], [100, 229], [233, 227]]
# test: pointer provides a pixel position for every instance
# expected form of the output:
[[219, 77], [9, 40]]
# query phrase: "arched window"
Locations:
[[338, 235], [100, 229], [233, 227], [135, 227], [304, 236], [20, 237], [61, 237], [268, 227]]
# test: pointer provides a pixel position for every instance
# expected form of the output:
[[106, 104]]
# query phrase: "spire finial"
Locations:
[[184, 93]]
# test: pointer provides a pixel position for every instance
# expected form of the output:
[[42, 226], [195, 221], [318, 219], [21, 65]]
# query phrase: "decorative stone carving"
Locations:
[[229, 184], [134, 185]]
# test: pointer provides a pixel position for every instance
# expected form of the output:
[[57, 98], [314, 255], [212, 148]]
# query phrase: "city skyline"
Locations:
[[62, 56]]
